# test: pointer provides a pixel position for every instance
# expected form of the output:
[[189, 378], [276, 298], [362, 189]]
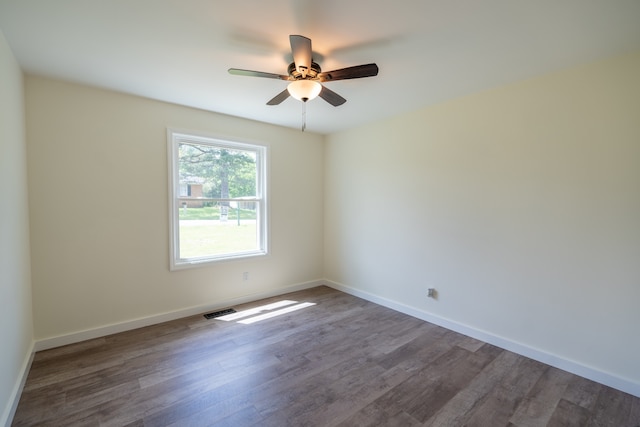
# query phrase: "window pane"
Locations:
[[216, 172], [217, 229]]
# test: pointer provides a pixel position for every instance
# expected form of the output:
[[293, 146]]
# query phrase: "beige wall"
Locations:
[[16, 330], [99, 209], [520, 205]]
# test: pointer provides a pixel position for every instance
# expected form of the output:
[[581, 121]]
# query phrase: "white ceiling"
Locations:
[[428, 51]]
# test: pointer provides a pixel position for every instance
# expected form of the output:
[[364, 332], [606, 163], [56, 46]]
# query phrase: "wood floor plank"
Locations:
[[539, 405], [423, 348], [458, 409], [582, 392], [568, 414], [375, 416], [426, 392], [613, 409], [347, 404], [470, 344], [331, 395], [451, 379], [500, 403], [341, 362]]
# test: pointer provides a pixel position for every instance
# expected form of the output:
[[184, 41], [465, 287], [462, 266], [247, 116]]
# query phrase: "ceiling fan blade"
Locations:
[[357, 72], [279, 98], [250, 73], [301, 50], [331, 97]]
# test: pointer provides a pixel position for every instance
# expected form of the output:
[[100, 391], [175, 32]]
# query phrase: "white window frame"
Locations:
[[176, 137]]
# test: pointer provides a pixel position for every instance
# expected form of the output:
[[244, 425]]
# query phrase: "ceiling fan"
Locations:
[[306, 76]]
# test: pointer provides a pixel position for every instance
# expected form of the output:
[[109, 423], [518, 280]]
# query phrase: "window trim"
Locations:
[[174, 138]]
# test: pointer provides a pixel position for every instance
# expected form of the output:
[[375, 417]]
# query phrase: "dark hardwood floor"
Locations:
[[341, 362]]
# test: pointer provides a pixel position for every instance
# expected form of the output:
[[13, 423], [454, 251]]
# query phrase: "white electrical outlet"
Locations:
[[245, 276], [431, 293]]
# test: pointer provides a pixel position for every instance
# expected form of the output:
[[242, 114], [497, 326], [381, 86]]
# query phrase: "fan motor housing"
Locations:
[[311, 74]]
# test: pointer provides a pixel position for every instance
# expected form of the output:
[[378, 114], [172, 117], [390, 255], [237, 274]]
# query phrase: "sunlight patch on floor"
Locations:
[[264, 312]]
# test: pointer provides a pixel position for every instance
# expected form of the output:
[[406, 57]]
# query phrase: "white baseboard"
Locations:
[[72, 338], [559, 362], [12, 405]]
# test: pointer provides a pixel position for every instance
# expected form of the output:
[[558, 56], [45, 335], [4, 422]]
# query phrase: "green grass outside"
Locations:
[[216, 237]]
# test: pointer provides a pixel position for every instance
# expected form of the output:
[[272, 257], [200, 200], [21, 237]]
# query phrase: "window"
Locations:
[[217, 199]]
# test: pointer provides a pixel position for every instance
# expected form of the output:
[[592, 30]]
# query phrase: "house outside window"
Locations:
[[218, 204]]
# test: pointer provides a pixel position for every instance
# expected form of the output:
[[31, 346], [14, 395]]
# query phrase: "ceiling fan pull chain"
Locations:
[[304, 116]]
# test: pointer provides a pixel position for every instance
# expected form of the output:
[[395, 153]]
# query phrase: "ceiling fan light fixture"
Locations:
[[304, 90]]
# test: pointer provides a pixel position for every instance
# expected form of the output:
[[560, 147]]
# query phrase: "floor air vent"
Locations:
[[219, 313]]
